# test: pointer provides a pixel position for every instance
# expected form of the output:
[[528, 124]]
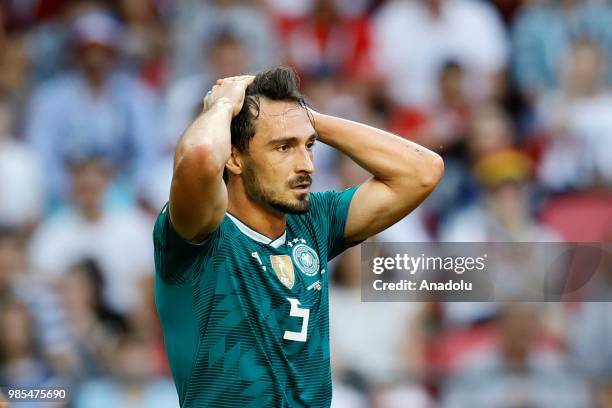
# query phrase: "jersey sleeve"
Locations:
[[176, 259], [332, 211]]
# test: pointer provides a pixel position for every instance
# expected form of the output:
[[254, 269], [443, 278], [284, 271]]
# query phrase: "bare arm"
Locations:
[[198, 196], [404, 173]]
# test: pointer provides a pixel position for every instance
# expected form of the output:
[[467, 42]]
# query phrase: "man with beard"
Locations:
[[242, 247]]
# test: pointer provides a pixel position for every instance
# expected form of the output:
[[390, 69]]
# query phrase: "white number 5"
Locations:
[[297, 312]]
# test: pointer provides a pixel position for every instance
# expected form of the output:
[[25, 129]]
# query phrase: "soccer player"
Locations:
[[242, 247]]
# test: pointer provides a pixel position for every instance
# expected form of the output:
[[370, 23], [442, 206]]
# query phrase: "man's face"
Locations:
[[89, 182], [95, 60], [228, 57], [585, 67], [278, 164]]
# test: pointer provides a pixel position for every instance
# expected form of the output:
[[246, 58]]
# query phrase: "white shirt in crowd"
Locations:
[[21, 189], [410, 46], [120, 242]]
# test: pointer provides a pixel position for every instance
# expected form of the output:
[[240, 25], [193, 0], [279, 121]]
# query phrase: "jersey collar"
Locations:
[[256, 236]]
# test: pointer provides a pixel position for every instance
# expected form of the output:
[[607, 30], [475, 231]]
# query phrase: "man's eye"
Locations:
[[310, 145], [283, 148]]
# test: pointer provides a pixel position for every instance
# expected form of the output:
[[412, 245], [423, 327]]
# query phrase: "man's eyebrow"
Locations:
[[283, 139], [290, 139]]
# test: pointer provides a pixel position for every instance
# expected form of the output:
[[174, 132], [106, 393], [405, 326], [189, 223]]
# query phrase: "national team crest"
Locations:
[[306, 259], [283, 267]]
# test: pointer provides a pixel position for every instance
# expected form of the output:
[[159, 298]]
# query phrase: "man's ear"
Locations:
[[234, 163]]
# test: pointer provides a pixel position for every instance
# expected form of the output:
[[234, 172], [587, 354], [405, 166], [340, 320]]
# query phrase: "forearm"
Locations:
[[390, 158], [208, 137]]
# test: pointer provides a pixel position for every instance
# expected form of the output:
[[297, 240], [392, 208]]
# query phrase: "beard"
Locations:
[[272, 199]]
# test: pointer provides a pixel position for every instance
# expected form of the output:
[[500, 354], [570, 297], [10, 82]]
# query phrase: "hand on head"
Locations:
[[230, 90]]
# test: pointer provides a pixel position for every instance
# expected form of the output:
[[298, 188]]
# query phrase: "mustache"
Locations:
[[300, 180]]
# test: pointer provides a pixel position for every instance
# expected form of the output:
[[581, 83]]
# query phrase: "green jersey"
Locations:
[[245, 318]]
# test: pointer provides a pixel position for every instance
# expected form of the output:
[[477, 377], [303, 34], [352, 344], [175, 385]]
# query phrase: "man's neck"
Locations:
[[92, 214], [267, 222]]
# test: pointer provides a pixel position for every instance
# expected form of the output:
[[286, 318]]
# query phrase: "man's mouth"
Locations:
[[301, 188]]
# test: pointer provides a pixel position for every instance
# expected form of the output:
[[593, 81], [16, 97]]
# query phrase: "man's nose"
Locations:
[[305, 163]]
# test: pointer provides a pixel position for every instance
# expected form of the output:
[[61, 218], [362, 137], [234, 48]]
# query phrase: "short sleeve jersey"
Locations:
[[245, 317]]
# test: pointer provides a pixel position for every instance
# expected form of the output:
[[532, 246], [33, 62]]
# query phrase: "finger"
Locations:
[[242, 78], [248, 79], [231, 79]]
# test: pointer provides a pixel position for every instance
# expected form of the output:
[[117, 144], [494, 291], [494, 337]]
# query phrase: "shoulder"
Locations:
[[62, 222], [473, 9], [166, 237], [177, 259], [328, 204], [323, 199], [58, 87], [535, 14]]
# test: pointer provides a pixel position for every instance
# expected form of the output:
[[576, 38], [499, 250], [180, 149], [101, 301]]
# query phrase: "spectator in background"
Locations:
[[578, 119], [144, 42], [603, 397], [328, 40], [354, 353], [413, 38], [15, 80], [488, 130], [42, 303], [509, 8], [440, 125], [504, 214], [588, 338], [542, 33], [94, 109], [132, 382], [590, 328], [20, 362], [48, 41], [196, 22], [119, 240], [519, 372], [378, 362], [143, 322], [21, 178], [93, 326]]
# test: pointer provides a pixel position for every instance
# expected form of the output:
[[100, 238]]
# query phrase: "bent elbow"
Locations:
[[432, 172]]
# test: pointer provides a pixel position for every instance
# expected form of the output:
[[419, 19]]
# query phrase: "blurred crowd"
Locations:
[[514, 94]]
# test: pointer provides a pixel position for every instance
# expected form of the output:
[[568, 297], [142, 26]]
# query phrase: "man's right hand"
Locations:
[[230, 90]]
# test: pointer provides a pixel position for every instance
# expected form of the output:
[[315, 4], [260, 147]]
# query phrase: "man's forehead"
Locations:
[[282, 116]]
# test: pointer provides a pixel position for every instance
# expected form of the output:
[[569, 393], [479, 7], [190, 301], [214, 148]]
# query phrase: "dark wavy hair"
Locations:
[[276, 84]]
